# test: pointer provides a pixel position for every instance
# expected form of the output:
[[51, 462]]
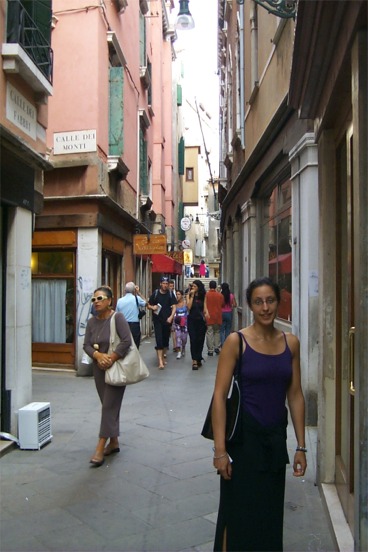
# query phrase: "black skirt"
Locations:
[[252, 503]]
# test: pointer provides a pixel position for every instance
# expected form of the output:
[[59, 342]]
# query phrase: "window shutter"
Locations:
[[116, 111], [181, 150]]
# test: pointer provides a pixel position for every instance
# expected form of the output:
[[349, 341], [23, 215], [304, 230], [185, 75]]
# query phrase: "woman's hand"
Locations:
[[222, 464], [300, 464], [104, 361]]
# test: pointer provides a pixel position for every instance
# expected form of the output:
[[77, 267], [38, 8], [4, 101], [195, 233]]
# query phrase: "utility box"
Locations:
[[34, 425]]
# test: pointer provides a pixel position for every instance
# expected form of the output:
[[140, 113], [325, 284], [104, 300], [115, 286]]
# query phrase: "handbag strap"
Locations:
[[237, 368], [136, 300]]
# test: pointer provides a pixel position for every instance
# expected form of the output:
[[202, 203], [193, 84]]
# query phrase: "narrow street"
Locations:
[[159, 493]]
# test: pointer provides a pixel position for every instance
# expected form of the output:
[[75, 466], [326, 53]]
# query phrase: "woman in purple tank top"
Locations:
[[253, 470]]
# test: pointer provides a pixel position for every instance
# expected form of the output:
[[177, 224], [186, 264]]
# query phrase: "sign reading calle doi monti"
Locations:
[[76, 141], [147, 244]]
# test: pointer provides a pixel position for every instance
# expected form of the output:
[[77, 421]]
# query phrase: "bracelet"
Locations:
[[301, 449], [222, 456]]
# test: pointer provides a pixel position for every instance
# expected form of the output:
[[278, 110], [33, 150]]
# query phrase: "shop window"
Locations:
[[53, 297], [279, 245]]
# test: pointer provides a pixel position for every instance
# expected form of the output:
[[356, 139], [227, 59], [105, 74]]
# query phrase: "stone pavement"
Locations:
[[159, 494]]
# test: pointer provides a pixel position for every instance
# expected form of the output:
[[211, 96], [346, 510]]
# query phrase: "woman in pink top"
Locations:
[[227, 311], [202, 269]]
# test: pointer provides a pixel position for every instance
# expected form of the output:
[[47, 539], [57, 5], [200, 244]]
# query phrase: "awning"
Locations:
[[283, 264], [165, 264]]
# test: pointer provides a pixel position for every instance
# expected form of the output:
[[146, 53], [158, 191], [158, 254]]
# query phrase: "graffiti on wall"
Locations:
[[84, 294]]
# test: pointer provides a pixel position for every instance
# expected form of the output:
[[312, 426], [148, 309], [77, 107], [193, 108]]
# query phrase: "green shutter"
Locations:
[[179, 95], [143, 170], [142, 40], [181, 150], [116, 111]]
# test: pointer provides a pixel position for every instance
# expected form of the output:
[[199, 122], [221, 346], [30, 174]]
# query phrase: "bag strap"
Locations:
[[136, 300], [237, 368]]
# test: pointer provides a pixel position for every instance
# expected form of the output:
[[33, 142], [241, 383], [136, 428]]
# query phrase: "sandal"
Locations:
[[111, 450], [194, 365], [97, 460]]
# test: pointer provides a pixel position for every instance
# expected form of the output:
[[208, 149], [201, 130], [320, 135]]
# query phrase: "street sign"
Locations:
[[185, 224], [147, 244]]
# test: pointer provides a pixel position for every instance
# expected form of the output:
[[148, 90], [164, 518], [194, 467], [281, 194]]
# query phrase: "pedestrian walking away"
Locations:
[[96, 345], [196, 322], [202, 269], [180, 324], [252, 471], [173, 334], [163, 304], [129, 305], [214, 302], [227, 311]]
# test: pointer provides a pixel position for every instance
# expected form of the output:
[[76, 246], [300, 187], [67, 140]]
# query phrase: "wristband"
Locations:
[[300, 449]]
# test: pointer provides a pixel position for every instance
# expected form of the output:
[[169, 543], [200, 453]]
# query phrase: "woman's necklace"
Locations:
[[100, 331]]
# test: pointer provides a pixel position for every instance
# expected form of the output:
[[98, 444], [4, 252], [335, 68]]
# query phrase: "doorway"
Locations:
[[345, 387]]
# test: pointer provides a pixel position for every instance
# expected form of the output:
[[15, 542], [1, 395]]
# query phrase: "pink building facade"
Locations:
[[111, 143]]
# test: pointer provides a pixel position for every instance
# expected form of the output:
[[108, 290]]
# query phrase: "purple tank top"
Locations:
[[263, 382]]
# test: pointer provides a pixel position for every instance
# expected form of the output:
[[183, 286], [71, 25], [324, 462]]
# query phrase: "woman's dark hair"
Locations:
[[180, 291], [107, 291], [258, 282], [201, 289], [225, 290]]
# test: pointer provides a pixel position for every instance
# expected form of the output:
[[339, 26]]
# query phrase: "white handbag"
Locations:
[[128, 370]]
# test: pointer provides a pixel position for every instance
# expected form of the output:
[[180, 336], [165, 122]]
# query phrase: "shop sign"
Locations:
[[77, 141], [188, 256], [20, 111], [148, 244], [178, 256]]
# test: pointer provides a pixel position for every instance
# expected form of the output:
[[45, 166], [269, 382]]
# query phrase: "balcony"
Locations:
[[27, 51]]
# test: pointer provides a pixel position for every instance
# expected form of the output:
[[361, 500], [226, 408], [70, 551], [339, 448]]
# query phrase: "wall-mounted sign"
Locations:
[[185, 244], [20, 111], [178, 256], [147, 244], [188, 256], [185, 224], [77, 141]]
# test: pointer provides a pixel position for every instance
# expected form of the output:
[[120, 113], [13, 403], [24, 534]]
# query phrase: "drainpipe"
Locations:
[[254, 44], [138, 175], [241, 84]]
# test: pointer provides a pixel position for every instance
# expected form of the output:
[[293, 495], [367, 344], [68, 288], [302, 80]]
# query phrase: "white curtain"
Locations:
[[48, 311]]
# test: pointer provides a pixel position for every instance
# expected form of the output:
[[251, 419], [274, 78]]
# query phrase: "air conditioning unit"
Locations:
[[34, 425]]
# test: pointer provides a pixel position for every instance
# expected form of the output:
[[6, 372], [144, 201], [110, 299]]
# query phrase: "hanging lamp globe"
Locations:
[[184, 21]]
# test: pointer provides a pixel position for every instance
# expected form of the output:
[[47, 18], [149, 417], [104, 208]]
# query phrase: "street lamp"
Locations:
[[185, 21], [285, 9]]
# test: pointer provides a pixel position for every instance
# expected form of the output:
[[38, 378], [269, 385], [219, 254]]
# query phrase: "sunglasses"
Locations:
[[99, 298]]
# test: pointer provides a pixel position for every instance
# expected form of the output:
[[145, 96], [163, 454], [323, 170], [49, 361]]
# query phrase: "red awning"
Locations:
[[283, 263], [165, 264]]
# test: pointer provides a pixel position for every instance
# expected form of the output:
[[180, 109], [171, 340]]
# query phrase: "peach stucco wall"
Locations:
[[81, 75]]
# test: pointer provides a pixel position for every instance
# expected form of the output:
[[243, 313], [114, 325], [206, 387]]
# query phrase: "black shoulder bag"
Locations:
[[233, 414], [141, 310]]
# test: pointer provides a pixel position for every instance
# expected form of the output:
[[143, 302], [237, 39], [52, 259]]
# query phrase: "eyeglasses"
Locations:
[[98, 298], [259, 302]]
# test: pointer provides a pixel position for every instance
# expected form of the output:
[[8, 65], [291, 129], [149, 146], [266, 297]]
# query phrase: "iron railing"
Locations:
[[21, 29]]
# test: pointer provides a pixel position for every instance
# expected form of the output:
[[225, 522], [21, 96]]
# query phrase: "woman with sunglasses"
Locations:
[[253, 470], [96, 345]]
